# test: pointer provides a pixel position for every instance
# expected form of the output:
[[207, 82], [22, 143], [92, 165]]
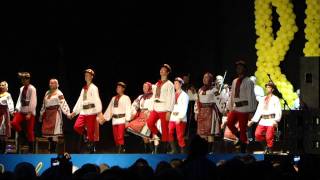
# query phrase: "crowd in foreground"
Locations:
[[195, 166]]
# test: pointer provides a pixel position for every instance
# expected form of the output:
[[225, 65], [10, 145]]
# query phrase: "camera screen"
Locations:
[[296, 159], [54, 162]]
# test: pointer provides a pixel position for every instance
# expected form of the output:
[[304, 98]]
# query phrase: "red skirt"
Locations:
[[5, 129], [138, 125], [204, 120], [49, 121]]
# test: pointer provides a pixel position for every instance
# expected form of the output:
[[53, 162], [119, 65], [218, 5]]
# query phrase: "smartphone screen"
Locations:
[[54, 162], [296, 159]]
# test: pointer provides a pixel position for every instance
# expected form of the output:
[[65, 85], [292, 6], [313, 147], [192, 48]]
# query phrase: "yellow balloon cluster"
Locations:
[[312, 30], [272, 51]]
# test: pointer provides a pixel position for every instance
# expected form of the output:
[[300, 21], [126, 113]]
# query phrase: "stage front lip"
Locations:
[[43, 161]]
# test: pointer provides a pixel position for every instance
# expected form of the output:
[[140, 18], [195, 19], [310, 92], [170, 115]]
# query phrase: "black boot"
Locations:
[[121, 149], [173, 148], [31, 147], [91, 147], [243, 147], [166, 147], [85, 137], [263, 145], [148, 147], [268, 150], [2, 147], [52, 146], [210, 147], [183, 150], [237, 142], [21, 141]]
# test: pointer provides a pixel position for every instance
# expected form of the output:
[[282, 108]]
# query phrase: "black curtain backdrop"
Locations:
[[128, 41]]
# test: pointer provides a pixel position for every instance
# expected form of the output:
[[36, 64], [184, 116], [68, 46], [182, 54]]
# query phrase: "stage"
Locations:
[[43, 161]]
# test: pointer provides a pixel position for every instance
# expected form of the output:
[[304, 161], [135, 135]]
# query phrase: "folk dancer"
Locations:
[[178, 118], [207, 113], [268, 115], [163, 95], [140, 111], [242, 104], [88, 107], [6, 109], [119, 110], [53, 106], [25, 110]]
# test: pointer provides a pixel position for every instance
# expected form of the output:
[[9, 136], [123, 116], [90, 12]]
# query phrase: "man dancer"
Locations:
[[119, 110], [26, 109], [241, 104], [88, 106], [178, 118], [269, 113], [163, 95], [259, 92]]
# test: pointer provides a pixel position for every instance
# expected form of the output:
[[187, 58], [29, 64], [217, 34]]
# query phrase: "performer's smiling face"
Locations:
[[164, 72], [88, 77], [53, 84]]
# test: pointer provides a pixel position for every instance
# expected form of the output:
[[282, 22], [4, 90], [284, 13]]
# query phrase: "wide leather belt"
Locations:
[[25, 103], [241, 103], [269, 116], [117, 116], [88, 106]]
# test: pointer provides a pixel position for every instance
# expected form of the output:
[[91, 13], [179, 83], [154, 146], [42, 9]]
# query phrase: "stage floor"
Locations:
[[43, 161]]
